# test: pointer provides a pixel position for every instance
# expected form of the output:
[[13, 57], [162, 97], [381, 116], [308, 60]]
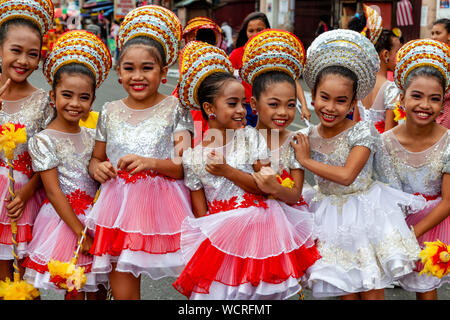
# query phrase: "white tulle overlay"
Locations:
[[364, 241], [53, 239], [24, 224], [138, 225]]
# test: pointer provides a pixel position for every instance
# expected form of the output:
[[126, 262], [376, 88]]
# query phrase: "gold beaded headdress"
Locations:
[[155, 22], [272, 49], [422, 52], [345, 48], [40, 12], [197, 61], [82, 47], [198, 23], [374, 24]]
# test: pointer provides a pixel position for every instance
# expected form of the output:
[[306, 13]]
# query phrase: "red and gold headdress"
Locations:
[[374, 24], [197, 61], [155, 22], [198, 23], [422, 52], [272, 49], [82, 47], [40, 12]]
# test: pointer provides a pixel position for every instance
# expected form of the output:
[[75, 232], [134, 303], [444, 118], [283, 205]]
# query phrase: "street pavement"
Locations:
[[162, 289]]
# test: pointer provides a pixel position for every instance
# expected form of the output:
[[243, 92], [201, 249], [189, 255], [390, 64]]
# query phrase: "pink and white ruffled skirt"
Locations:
[[137, 222]]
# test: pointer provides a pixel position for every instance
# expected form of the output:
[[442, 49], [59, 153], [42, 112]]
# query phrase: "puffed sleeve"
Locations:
[[191, 179], [364, 134], [391, 96], [100, 133], [446, 158], [43, 152], [293, 162], [182, 118]]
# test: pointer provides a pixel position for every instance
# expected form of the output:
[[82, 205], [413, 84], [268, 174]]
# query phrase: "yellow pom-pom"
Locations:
[[65, 275], [11, 135], [436, 259], [288, 183], [17, 290]]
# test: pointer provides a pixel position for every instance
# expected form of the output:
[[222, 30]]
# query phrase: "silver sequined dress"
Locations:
[[35, 113], [363, 238], [69, 154], [137, 218], [247, 246], [421, 173]]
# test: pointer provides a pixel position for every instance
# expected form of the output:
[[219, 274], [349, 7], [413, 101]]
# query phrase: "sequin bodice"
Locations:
[[33, 111], [246, 147], [148, 132], [69, 153], [419, 172]]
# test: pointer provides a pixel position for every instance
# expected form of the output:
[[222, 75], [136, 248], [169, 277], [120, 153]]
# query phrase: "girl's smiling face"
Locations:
[[20, 52], [423, 100]]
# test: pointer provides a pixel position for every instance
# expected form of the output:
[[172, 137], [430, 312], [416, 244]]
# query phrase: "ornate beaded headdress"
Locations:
[[423, 52], [198, 23], [40, 12], [155, 22], [197, 61], [272, 49], [79, 46], [374, 24], [346, 48]]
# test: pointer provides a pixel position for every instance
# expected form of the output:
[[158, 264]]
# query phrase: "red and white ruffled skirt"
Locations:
[[137, 221], [22, 175], [53, 239], [251, 252]]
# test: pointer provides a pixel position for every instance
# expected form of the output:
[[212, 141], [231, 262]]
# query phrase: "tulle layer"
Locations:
[[210, 265], [53, 239], [138, 225], [25, 224], [364, 240], [241, 232], [423, 283]]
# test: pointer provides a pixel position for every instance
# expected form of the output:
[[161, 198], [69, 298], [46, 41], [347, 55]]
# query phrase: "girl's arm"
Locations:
[[356, 115], [301, 97], [59, 201], [343, 175], [389, 122], [439, 213], [100, 169], [199, 203], [269, 184], [17, 206]]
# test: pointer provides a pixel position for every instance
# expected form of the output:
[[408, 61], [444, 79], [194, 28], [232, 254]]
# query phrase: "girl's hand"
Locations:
[[3, 89], [266, 180], [216, 164], [86, 245], [301, 148], [104, 171], [134, 164], [16, 207], [305, 113]]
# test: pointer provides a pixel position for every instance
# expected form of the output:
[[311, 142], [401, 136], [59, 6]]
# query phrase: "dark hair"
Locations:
[[445, 22], [265, 79], [206, 35], [384, 42], [242, 35], [338, 70], [155, 48], [4, 28], [73, 68], [210, 88], [358, 22], [424, 71]]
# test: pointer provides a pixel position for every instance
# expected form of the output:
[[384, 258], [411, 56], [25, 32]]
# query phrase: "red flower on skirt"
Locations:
[[22, 164], [78, 200], [250, 200], [132, 178]]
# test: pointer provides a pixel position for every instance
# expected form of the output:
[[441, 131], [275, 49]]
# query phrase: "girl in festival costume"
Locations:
[[241, 245], [273, 60], [137, 159], [380, 103], [420, 149], [22, 24], [364, 241], [61, 154]]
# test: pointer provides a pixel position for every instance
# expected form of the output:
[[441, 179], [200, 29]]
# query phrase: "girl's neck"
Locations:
[[218, 136], [278, 135], [419, 132], [17, 90], [330, 132], [145, 103], [64, 125]]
